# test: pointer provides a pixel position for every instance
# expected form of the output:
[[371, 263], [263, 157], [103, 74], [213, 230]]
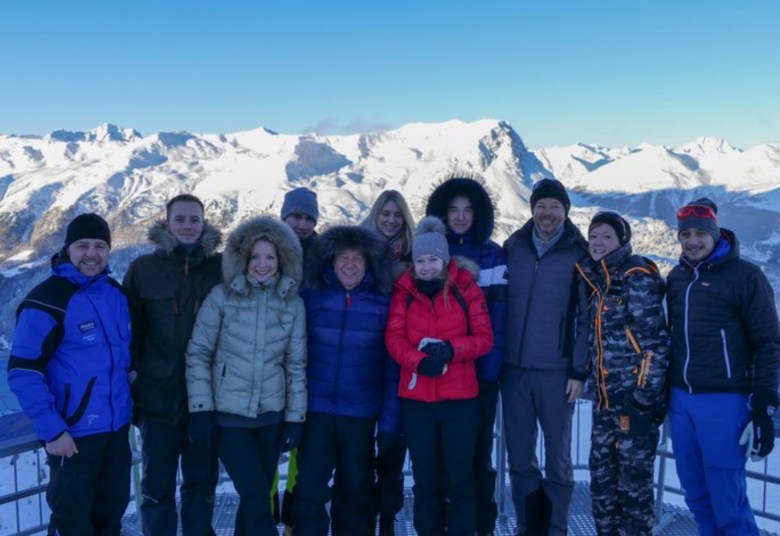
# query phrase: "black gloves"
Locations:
[[386, 441], [438, 355], [201, 429], [759, 435], [442, 350], [291, 436], [431, 366]]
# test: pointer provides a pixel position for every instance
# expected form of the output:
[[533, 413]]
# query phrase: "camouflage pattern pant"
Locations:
[[621, 482]]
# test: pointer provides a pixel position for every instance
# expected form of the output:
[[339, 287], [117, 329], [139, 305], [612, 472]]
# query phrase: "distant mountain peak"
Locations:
[[101, 133], [707, 144]]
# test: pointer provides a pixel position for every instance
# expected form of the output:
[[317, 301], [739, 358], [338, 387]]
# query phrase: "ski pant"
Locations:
[[484, 473], [389, 486], [441, 438], [250, 456], [342, 448], [621, 469], [88, 492], [163, 445], [531, 396], [710, 461]]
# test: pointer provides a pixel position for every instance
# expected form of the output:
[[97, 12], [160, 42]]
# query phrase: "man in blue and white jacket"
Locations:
[[723, 370], [465, 205], [69, 369]]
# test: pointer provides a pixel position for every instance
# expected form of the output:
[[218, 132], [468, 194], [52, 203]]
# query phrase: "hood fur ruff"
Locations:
[[339, 238], [240, 242], [473, 188], [159, 234]]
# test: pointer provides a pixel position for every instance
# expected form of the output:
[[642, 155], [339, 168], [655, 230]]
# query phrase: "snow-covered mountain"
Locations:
[[117, 172]]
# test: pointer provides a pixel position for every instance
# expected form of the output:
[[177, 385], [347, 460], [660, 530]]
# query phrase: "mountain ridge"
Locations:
[[127, 177]]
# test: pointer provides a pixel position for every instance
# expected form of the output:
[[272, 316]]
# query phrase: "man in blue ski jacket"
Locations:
[[69, 369]]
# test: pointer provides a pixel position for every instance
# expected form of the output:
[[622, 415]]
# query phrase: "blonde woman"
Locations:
[[246, 364]]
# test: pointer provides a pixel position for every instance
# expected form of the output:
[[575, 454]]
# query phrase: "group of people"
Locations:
[[350, 347]]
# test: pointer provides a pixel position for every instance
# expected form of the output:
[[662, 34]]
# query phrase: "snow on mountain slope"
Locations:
[[117, 172]]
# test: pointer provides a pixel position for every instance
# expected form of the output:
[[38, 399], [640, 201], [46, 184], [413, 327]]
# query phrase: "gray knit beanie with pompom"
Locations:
[[429, 239]]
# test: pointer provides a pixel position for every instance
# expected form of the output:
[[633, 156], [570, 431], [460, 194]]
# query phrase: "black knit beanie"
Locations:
[[550, 188], [87, 226]]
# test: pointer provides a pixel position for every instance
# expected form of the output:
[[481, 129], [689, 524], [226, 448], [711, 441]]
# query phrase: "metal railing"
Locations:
[[24, 476]]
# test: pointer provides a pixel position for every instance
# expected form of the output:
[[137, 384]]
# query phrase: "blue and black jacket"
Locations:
[[71, 355]]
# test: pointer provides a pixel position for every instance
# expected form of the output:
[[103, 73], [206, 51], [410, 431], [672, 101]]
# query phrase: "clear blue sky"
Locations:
[[614, 73]]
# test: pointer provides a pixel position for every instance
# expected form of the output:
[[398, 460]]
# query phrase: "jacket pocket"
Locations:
[[220, 380], [726, 359], [81, 409]]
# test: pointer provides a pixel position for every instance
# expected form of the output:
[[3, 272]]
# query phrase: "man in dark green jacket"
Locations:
[[165, 290]]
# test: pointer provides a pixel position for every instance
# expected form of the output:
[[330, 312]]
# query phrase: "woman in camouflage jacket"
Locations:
[[629, 358]]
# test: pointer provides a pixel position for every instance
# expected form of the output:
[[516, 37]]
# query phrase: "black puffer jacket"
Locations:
[[165, 290], [725, 334]]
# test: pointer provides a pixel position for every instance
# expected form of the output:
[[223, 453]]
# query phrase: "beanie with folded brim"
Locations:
[[692, 221], [87, 227], [300, 201], [550, 189]]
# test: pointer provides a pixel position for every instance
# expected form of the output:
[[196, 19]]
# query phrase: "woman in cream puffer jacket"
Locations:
[[246, 364]]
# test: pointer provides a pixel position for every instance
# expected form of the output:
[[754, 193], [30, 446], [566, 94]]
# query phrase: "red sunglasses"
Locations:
[[698, 211]]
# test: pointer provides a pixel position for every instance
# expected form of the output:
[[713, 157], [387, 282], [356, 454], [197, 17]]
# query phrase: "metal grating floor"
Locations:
[[675, 521]]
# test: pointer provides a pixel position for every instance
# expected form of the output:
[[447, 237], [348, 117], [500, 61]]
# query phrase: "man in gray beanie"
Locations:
[[301, 212]]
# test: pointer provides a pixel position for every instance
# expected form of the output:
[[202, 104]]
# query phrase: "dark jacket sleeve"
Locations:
[[495, 290], [390, 418], [135, 303], [763, 330], [578, 368]]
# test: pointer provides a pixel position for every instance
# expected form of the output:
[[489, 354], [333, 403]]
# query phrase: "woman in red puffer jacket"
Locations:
[[438, 326]]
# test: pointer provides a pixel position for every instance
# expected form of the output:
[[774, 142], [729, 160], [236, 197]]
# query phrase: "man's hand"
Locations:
[[62, 446], [574, 390]]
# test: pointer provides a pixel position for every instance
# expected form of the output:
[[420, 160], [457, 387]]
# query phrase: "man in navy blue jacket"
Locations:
[[723, 370], [465, 205], [69, 369], [351, 381]]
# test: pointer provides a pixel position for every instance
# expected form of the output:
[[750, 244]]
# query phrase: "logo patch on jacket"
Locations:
[[87, 330]]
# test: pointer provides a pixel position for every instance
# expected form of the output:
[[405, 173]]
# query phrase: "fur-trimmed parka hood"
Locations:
[[159, 234], [339, 238], [475, 190], [240, 242]]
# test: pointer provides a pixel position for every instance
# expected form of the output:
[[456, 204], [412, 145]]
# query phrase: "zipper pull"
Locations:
[[349, 300]]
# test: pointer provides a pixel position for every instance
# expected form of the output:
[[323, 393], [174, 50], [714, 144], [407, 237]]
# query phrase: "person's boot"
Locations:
[[538, 513], [386, 525]]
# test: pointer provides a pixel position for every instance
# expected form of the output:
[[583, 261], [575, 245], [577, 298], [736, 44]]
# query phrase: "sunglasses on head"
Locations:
[[697, 211]]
